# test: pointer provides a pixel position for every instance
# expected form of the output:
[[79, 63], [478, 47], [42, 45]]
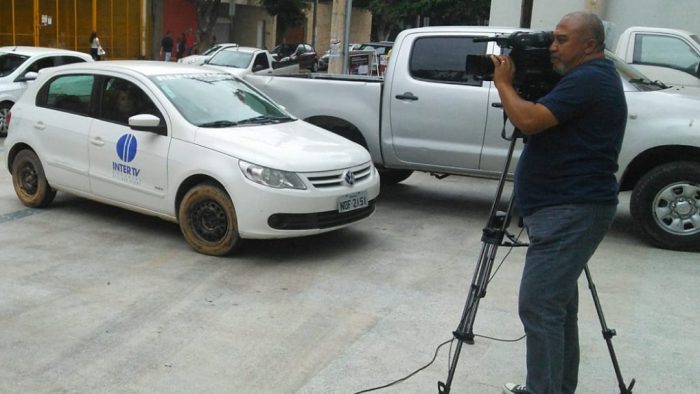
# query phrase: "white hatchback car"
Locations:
[[185, 144], [19, 65]]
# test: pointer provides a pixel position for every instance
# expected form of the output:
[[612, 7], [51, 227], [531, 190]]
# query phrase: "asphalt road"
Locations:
[[98, 299]]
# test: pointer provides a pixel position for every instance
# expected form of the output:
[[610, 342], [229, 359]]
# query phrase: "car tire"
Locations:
[[208, 220], [4, 109], [392, 177], [666, 206], [29, 180]]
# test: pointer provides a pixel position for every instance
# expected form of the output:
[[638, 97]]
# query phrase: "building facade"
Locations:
[[133, 29], [618, 14], [120, 24]]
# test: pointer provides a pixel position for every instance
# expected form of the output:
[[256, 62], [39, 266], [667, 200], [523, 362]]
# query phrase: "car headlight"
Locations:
[[271, 177]]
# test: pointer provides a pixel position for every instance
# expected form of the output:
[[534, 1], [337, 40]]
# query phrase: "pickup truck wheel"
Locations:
[[4, 109], [392, 177], [666, 205], [208, 220], [29, 180]]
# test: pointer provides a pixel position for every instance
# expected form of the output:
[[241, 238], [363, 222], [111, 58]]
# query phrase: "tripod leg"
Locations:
[[477, 291], [607, 334]]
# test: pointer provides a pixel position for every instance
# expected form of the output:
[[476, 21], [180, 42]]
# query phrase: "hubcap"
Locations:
[[29, 180], [3, 124], [677, 208], [209, 221]]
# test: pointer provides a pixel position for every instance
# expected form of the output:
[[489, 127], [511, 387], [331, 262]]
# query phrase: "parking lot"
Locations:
[[98, 299]]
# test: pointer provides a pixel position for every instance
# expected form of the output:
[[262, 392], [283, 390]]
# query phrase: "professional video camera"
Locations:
[[534, 76]]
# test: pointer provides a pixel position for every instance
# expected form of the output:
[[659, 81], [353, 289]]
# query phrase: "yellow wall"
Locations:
[[69, 23]]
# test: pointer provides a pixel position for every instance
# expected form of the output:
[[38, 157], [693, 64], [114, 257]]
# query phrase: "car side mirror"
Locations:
[[258, 67], [147, 122], [28, 76]]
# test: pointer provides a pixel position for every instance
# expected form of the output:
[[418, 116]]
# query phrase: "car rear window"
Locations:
[[443, 59], [68, 93]]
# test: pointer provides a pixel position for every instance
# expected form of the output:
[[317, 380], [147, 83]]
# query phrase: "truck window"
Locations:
[[443, 59], [666, 51]]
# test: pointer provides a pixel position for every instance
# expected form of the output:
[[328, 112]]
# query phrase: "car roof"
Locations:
[[32, 51], [146, 68], [242, 49]]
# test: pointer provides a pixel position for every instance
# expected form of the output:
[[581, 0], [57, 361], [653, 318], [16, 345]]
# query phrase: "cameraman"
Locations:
[[566, 190]]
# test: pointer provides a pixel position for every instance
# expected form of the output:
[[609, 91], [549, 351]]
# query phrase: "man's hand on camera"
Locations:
[[530, 118], [503, 69]]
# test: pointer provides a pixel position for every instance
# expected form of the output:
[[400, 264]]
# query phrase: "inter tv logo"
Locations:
[[127, 147]]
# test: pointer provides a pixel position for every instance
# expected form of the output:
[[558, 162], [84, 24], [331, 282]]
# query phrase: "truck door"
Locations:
[[437, 111]]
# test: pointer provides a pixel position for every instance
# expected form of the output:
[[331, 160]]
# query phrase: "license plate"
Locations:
[[350, 202]]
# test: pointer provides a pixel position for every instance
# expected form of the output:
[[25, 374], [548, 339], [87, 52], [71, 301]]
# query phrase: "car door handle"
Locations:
[[97, 141], [39, 125], [407, 96], [497, 105]]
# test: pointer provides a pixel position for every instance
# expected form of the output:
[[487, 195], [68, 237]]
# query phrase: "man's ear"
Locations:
[[589, 46]]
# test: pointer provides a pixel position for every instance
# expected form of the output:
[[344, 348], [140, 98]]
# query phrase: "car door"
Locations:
[[438, 112], [62, 124], [126, 165]]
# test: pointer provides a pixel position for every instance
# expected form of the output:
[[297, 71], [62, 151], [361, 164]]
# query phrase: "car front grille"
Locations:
[[328, 179], [318, 220]]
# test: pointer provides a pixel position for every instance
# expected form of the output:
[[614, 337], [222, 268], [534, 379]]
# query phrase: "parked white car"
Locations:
[[201, 58], [19, 65], [186, 144]]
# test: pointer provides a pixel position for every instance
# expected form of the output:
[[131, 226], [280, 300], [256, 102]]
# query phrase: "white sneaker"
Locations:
[[512, 388]]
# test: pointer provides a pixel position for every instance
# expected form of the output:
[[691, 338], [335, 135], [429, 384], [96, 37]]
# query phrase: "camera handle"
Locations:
[[493, 237]]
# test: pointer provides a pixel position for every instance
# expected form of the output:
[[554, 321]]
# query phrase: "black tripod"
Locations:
[[493, 237]]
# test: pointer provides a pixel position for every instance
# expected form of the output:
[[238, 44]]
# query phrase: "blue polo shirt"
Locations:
[[575, 162]]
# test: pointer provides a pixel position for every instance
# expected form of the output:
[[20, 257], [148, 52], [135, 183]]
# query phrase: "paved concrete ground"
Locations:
[[100, 300]]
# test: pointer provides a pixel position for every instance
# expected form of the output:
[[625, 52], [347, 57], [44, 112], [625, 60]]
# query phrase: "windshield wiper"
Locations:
[[645, 81], [264, 119], [218, 123]]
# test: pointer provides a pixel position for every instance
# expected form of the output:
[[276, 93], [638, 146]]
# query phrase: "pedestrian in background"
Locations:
[[94, 46], [166, 47], [181, 41], [189, 41]]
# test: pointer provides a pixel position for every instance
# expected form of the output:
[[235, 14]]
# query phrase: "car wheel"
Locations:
[[666, 205], [29, 180], [392, 177], [4, 109], [208, 220]]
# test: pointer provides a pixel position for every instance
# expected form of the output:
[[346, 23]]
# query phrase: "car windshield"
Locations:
[[9, 62], [632, 78], [231, 58], [218, 100], [211, 50]]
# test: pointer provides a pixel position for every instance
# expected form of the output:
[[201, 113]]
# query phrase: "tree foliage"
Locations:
[[390, 16], [207, 14], [289, 13]]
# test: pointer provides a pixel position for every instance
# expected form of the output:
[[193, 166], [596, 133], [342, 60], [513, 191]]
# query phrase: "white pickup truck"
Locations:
[[428, 114], [671, 56], [244, 60]]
